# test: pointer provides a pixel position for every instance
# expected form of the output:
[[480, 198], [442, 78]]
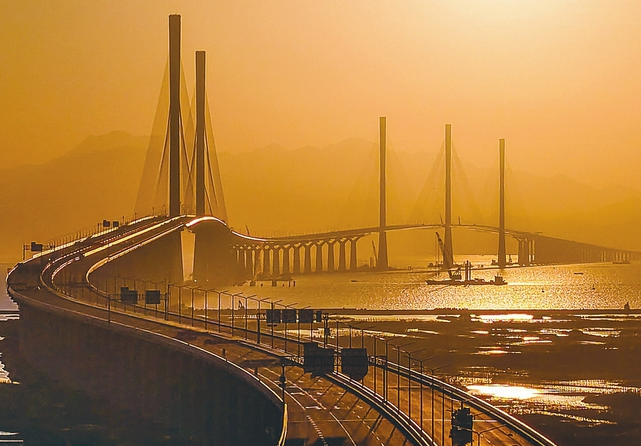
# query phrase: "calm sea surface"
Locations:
[[585, 286]]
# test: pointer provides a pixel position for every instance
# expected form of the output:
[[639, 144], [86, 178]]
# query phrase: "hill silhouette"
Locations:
[[275, 191]]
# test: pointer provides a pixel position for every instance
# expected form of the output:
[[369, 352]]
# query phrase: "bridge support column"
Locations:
[[267, 268], [308, 258], [249, 261], [353, 264], [319, 257], [286, 270], [276, 265], [342, 258], [237, 256], [257, 268], [524, 252], [531, 252], [297, 259], [330, 257]]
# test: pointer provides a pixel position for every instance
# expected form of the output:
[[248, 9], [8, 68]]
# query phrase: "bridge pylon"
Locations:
[[501, 254], [382, 261], [174, 115], [200, 133], [448, 260]]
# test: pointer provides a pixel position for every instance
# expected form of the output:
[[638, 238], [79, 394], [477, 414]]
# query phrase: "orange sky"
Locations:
[[560, 80]]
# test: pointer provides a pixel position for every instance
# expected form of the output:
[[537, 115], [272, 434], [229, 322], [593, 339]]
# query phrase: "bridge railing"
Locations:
[[192, 306], [231, 314]]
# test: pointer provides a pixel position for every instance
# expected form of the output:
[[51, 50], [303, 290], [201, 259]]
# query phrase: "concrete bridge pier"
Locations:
[[330, 256], [353, 261], [286, 253], [160, 260], [297, 259], [342, 257], [524, 252], [319, 257], [213, 255], [267, 268], [256, 258], [308, 258], [249, 262], [276, 263]]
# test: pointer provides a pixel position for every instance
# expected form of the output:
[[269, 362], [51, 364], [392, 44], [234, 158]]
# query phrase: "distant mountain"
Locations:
[[97, 180], [274, 191]]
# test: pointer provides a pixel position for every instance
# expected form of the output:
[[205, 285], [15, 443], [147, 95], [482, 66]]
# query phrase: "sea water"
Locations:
[[580, 286]]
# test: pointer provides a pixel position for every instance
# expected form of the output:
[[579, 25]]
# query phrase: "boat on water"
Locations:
[[621, 262], [498, 280], [456, 278]]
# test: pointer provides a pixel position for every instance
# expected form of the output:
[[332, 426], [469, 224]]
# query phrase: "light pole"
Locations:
[[398, 374], [232, 298], [219, 304], [180, 302], [442, 406], [385, 371], [272, 324], [287, 306], [206, 295], [421, 361], [432, 369], [398, 378], [246, 301], [192, 307], [310, 335], [409, 383], [258, 319]]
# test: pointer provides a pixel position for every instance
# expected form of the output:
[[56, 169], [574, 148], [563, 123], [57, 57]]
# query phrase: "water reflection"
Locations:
[[515, 317], [503, 391], [557, 398], [540, 287]]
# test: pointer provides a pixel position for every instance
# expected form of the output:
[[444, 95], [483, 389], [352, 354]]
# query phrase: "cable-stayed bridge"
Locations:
[[182, 177], [224, 373]]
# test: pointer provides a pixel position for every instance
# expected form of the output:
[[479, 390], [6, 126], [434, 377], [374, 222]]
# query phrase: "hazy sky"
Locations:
[[560, 80]]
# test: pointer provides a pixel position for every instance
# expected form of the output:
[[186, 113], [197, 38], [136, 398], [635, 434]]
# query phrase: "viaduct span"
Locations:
[[227, 374], [217, 373]]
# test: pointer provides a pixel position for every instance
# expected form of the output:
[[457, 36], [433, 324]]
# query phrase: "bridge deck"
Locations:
[[321, 410]]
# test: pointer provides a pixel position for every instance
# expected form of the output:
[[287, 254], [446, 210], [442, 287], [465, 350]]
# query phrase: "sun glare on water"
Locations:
[[503, 391], [514, 317]]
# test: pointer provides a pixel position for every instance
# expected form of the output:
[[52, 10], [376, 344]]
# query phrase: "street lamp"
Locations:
[[310, 332], [246, 300], [219, 321], [287, 306], [272, 324], [206, 296], [409, 382], [232, 298], [192, 306], [398, 373], [421, 361], [433, 369], [258, 319]]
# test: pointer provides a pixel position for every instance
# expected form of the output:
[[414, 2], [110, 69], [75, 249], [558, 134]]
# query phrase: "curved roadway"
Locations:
[[330, 410]]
